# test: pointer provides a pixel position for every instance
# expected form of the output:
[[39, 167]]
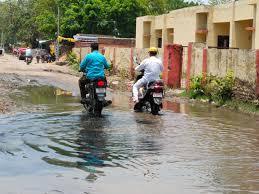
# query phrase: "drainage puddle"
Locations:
[[188, 149]]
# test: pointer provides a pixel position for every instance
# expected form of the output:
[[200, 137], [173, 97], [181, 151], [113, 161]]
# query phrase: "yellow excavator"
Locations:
[[60, 38]]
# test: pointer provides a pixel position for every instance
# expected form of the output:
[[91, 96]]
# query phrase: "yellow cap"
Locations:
[[153, 49]]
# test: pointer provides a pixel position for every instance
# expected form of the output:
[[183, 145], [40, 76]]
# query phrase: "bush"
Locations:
[[196, 88], [73, 62], [218, 89]]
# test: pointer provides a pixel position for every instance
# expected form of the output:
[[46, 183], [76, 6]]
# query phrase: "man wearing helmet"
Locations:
[[152, 67]]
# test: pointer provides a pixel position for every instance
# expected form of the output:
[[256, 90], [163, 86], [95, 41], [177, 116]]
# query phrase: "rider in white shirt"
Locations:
[[152, 67]]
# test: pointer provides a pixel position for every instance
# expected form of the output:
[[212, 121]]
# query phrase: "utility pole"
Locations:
[[57, 43]]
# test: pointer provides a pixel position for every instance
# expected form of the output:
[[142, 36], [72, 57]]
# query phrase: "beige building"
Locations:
[[234, 25]]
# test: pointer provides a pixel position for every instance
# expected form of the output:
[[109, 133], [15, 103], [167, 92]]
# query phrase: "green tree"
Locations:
[[28, 20]]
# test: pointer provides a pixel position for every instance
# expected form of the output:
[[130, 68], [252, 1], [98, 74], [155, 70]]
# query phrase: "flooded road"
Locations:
[[188, 149]]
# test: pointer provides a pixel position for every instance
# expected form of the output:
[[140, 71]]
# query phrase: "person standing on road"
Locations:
[[38, 55], [152, 67], [93, 67], [28, 53]]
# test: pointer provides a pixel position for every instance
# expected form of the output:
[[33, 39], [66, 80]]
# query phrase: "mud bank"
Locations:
[[15, 75], [10, 85]]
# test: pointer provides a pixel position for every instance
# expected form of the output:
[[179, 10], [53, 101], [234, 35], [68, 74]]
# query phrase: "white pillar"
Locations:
[[254, 24], [232, 33], [256, 32]]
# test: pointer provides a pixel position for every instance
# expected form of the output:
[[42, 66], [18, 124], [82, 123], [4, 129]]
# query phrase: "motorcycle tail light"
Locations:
[[101, 83], [158, 88]]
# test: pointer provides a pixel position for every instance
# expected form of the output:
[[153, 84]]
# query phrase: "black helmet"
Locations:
[[95, 46]]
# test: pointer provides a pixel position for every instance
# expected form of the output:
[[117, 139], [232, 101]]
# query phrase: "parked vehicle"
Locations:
[[21, 53], [1, 51], [15, 51], [96, 99], [150, 96]]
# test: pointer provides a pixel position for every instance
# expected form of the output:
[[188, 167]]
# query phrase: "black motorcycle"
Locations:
[[150, 96], [96, 99]]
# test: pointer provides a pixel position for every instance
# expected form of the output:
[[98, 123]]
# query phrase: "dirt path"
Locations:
[[60, 76], [15, 74]]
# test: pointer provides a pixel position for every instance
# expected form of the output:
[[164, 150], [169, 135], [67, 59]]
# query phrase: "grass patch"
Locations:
[[247, 107]]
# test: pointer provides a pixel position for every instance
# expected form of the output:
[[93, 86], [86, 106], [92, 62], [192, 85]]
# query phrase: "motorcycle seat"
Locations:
[[151, 83]]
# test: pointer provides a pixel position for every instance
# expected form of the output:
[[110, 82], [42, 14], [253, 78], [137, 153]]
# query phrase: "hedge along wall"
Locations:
[[218, 61]]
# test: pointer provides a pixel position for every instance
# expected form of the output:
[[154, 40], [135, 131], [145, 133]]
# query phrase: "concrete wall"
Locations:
[[219, 61], [241, 61], [121, 58], [81, 52]]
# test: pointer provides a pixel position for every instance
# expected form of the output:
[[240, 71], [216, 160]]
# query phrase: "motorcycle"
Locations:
[[28, 60], [150, 96], [96, 98], [38, 58]]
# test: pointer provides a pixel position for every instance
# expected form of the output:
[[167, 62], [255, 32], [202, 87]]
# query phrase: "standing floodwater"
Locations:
[[188, 149]]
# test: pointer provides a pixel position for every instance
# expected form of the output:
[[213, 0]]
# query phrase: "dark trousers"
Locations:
[[83, 81]]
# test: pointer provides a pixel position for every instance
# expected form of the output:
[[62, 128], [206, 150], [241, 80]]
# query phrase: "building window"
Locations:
[[170, 35], [201, 27], [223, 41], [147, 34], [159, 38], [243, 34], [221, 34], [159, 42]]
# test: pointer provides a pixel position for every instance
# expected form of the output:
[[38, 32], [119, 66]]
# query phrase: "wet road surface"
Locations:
[[188, 149]]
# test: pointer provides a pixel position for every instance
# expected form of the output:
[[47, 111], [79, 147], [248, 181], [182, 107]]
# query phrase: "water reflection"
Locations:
[[91, 143]]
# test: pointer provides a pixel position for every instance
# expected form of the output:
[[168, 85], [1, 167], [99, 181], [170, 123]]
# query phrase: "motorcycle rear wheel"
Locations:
[[97, 110], [155, 108]]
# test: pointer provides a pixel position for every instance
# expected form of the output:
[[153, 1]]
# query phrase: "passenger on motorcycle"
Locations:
[[93, 67], [152, 67]]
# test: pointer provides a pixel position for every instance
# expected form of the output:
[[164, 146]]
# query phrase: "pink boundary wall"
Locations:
[[172, 73], [204, 65], [189, 66]]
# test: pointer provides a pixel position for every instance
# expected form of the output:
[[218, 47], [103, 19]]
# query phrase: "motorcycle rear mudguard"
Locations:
[[101, 98]]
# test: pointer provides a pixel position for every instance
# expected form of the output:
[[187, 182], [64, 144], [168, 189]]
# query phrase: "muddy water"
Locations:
[[188, 149]]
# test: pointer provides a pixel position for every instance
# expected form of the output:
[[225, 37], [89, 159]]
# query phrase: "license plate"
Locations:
[[157, 95], [100, 90]]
